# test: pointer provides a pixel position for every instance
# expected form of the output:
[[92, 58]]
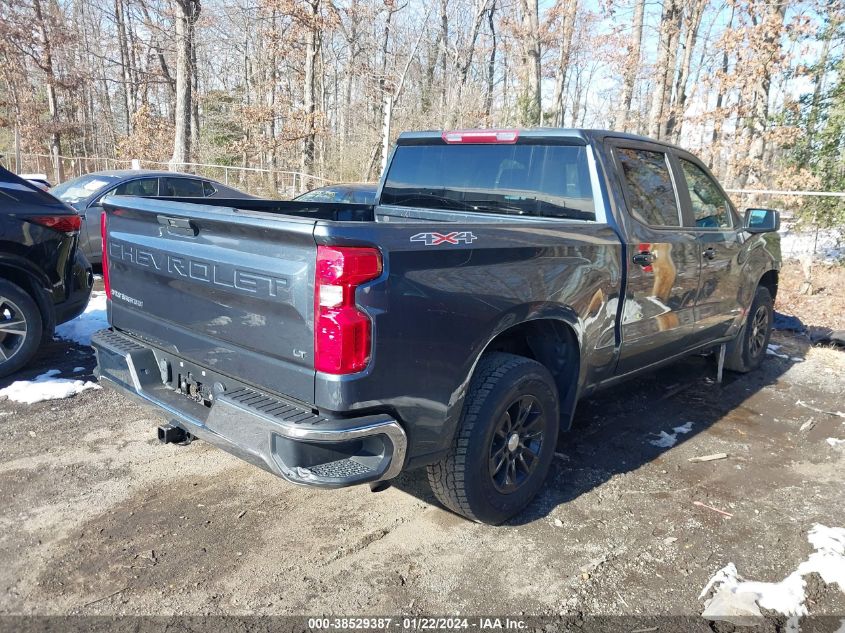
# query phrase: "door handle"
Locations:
[[643, 258], [710, 253]]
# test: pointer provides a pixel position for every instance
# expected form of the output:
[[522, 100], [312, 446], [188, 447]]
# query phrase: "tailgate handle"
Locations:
[[179, 226]]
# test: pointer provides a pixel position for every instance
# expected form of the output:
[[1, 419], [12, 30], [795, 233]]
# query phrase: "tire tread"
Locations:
[[446, 477]]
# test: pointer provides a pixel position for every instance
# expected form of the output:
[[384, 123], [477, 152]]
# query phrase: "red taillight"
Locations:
[[342, 332], [105, 260], [60, 223], [481, 136]]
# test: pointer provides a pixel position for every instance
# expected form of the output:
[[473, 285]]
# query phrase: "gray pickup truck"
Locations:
[[454, 325]]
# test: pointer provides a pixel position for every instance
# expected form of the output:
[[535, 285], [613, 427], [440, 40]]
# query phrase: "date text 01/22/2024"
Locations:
[[418, 623]]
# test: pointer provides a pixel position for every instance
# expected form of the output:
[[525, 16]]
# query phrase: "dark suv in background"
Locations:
[[44, 279], [85, 194]]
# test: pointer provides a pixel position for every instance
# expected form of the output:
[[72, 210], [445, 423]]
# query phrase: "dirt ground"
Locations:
[[825, 306], [98, 518]]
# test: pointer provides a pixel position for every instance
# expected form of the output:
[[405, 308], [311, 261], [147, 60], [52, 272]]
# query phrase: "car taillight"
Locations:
[[105, 258], [342, 332], [480, 136], [60, 223]]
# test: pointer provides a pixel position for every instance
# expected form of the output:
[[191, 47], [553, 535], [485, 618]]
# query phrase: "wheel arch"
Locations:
[[770, 280], [553, 342], [29, 282]]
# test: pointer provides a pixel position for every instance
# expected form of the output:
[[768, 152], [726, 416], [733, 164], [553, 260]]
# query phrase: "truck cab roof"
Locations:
[[580, 136]]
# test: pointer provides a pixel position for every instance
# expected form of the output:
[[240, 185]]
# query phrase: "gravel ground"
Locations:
[[98, 518]]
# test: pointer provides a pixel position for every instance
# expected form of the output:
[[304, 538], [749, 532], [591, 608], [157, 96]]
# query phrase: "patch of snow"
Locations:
[[772, 350], [668, 440], [834, 442], [725, 576], [828, 245], [82, 327], [787, 596], [76, 370], [45, 387]]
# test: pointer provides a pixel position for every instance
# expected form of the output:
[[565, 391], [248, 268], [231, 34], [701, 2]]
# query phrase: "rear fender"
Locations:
[[511, 320]]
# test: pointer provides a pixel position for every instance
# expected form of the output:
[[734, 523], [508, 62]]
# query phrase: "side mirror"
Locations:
[[762, 220]]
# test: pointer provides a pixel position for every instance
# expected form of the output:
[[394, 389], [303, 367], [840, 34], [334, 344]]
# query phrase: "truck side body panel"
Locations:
[[439, 306]]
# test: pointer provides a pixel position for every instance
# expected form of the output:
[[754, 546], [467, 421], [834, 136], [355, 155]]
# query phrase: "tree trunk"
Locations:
[[195, 99], [128, 109], [762, 86], [632, 68], [491, 62], [532, 102], [309, 100], [716, 137], [664, 69], [444, 59], [185, 20], [695, 11], [52, 101], [567, 29]]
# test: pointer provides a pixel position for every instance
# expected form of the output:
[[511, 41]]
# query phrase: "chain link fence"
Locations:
[[271, 183]]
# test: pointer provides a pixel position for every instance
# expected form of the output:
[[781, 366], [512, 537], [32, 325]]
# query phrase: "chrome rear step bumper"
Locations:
[[274, 433]]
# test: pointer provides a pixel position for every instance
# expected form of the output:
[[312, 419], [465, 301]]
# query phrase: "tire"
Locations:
[[747, 350], [20, 328], [466, 480]]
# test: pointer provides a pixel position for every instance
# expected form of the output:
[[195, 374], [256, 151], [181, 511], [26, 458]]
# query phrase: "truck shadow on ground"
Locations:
[[618, 430]]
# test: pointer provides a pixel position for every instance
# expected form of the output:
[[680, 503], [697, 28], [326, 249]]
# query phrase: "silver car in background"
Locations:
[[85, 194]]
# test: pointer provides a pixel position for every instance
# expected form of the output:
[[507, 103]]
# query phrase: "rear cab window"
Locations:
[[536, 178], [649, 190]]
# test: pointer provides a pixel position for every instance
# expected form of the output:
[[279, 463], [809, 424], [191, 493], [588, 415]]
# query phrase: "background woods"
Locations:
[[313, 85]]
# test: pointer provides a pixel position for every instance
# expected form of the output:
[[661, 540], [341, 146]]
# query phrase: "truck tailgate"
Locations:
[[228, 289]]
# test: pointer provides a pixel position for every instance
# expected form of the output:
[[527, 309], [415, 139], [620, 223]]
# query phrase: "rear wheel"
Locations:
[[747, 350], [20, 327], [505, 442]]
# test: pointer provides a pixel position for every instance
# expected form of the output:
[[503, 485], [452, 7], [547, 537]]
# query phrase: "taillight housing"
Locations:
[[342, 332], [105, 260], [60, 223]]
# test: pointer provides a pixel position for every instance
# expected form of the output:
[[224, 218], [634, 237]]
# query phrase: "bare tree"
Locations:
[[632, 68], [531, 106], [52, 101], [186, 18], [567, 28], [664, 68]]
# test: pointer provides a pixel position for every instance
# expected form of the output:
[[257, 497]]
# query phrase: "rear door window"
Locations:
[[648, 186], [208, 189], [535, 179], [710, 207], [139, 187], [182, 187]]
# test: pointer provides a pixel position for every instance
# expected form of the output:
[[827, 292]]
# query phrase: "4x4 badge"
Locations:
[[434, 239]]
